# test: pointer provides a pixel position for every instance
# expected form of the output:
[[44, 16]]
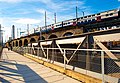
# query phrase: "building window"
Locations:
[[85, 17]]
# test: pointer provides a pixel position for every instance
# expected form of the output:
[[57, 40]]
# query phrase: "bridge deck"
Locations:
[[15, 68]]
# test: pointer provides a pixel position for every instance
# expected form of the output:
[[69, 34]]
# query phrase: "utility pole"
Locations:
[[40, 33], [83, 13], [17, 33], [45, 21], [13, 31], [28, 29], [45, 25], [76, 12], [20, 32], [55, 17]]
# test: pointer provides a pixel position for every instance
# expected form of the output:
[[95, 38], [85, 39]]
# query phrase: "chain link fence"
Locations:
[[86, 59]]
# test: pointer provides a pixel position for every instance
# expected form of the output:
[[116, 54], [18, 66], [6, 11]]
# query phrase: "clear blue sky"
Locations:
[[22, 12]]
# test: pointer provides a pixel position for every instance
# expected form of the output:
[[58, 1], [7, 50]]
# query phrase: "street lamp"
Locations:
[[83, 13]]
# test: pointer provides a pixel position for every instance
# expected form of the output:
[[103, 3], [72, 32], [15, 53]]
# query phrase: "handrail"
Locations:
[[81, 49]]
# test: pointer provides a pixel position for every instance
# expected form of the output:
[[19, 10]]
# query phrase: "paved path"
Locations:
[[15, 68]]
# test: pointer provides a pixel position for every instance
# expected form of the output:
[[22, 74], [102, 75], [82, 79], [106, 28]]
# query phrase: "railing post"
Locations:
[[41, 53], [24, 50], [64, 59], [47, 54], [31, 50], [102, 66], [27, 49], [37, 51]]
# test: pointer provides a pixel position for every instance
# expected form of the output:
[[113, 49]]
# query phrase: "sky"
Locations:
[[23, 12]]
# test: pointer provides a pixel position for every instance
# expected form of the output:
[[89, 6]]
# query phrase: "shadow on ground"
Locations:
[[21, 73]]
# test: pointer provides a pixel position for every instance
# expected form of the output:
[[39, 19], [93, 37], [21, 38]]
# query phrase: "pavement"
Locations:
[[15, 68]]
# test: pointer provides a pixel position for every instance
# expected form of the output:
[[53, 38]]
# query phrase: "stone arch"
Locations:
[[25, 42], [9, 44], [52, 36], [20, 43], [32, 40], [43, 38], [67, 34], [16, 43], [13, 44]]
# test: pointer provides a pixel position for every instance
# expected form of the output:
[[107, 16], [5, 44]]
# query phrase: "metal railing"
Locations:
[[85, 61]]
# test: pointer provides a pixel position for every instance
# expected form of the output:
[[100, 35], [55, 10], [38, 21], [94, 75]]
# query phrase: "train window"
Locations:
[[85, 20], [85, 17], [98, 14], [68, 22], [78, 18], [89, 16], [107, 14], [89, 20], [81, 21], [74, 19], [119, 13], [111, 14], [93, 19], [93, 15]]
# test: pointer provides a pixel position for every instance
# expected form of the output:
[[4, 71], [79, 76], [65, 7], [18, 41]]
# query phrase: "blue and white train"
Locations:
[[94, 18]]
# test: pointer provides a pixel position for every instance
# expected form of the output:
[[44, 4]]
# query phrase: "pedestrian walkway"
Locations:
[[15, 68]]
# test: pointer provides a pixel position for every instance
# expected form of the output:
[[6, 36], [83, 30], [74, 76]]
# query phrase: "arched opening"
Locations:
[[41, 38], [25, 42], [9, 44], [13, 44], [68, 34], [16, 43], [52, 36], [20, 43], [32, 40]]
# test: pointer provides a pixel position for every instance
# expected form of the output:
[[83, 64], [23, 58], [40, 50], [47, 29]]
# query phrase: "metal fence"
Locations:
[[78, 59]]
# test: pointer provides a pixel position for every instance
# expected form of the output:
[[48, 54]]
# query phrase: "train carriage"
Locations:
[[81, 21]]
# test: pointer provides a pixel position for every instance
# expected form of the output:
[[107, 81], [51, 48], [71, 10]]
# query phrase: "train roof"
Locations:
[[82, 17]]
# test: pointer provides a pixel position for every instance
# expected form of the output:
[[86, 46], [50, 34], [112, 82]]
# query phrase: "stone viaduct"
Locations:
[[57, 33]]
